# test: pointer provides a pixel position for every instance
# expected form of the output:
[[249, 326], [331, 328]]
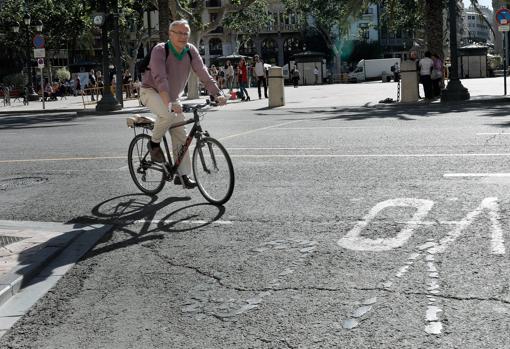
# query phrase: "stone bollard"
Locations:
[[408, 82], [275, 87]]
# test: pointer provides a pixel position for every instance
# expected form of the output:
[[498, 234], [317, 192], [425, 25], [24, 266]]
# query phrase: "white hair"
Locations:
[[178, 22]]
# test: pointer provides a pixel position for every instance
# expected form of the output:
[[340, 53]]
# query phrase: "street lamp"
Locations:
[[38, 25], [454, 91], [108, 102]]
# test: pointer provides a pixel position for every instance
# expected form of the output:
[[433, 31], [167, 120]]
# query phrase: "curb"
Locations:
[[77, 111], [32, 264]]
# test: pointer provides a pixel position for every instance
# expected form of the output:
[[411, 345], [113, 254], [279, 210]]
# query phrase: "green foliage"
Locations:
[[401, 15], [63, 74], [17, 80], [249, 20]]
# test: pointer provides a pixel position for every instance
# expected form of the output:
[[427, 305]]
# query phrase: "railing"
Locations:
[[129, 91], [213, 3]]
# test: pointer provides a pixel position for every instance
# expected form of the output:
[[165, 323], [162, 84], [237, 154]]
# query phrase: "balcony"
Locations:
[[218, 30], [213, 3], [282, 28]]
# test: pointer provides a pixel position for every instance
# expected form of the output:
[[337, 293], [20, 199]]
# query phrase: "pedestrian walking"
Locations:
[[242, 78], [260, 72], [426, 64]]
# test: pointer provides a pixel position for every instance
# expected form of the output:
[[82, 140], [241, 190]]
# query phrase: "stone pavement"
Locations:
[[315, 96]]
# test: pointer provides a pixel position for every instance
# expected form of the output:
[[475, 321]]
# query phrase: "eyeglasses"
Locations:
[[180, 33]]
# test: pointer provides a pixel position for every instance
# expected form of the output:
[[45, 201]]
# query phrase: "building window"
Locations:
[[215, 47]]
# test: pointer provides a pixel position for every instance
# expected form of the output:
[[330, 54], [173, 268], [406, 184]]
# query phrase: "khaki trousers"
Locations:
[[152, 100]]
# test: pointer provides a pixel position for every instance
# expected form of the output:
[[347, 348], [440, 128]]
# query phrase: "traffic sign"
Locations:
[[503, 16], [504, 28], [39, 52], [40, 63], [38, 41]]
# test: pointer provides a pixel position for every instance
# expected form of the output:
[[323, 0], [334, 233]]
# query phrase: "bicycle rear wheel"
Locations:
[[213, 171], [148, 176]]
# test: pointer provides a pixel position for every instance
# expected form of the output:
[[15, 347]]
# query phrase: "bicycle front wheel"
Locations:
[[213, 171], [148, 176]]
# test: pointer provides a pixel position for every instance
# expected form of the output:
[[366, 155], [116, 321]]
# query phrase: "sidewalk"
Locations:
[[33, 257], [366, 94]]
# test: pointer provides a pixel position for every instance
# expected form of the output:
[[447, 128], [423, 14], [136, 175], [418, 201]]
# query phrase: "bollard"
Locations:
[[276, 91], [409, 82]]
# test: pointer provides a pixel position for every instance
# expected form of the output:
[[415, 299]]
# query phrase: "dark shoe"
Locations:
[[248, 99], [156, 153], [188, 182]]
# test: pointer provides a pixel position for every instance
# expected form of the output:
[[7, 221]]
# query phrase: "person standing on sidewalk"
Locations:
[[260, 73], [242, 78], [316, 75], [92, 84], [229, 72], [295, 76], [162, 85], [437, 75], [426, 64]]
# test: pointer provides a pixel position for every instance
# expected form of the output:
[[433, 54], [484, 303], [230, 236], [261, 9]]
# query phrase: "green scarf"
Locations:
[[177, 55]]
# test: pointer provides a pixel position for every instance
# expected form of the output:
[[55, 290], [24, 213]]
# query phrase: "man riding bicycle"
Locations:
[[163, 83]]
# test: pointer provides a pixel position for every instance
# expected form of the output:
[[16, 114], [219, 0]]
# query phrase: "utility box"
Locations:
[[408, 82], [275, 87]]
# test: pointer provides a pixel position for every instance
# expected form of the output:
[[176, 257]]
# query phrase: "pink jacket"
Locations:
[[173, 76]]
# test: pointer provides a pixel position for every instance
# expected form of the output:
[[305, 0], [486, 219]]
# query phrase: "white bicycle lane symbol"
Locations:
[[428, 250]]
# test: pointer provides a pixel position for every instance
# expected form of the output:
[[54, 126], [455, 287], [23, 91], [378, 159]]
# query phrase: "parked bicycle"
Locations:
[[212, 166]]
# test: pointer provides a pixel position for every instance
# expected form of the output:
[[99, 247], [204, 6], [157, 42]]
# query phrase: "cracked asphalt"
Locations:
[[343, 231]]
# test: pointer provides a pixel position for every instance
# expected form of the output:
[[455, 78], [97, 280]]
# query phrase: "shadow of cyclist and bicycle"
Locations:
[[135, 215]]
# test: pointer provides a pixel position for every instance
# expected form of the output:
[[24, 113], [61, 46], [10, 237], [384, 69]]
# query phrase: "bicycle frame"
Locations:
[[170, 167]]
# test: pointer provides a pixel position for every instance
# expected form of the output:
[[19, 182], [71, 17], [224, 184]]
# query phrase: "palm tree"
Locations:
[[433, 15]]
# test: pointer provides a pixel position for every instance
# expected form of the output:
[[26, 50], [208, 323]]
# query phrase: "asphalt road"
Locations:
[[351, 228]]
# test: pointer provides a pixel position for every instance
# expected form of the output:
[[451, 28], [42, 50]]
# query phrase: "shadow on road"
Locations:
[[408, 112], [139, 209], [121, 212], [35, 121]]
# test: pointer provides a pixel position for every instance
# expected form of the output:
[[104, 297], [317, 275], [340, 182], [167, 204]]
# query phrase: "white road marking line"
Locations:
[[319, 128], [367, 155], [63, 159], [450, 175], [170, 221], [240, 148], [493, 134], [259, 129], [282, 156]]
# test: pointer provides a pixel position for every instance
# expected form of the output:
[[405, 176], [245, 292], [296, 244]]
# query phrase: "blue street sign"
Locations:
[[38, 41]]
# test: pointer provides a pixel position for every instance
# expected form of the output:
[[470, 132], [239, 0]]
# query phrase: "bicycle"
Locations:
[[211, 163]]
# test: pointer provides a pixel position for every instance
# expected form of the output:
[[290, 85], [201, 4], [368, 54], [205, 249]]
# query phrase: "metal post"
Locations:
[[504, 60], [454, 91], [118, 60], [42, 90], [108, 102]]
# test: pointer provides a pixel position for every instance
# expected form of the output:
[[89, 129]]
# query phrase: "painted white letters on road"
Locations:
[[354, 241]]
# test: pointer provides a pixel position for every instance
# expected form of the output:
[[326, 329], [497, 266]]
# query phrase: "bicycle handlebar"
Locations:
[[188, 108]]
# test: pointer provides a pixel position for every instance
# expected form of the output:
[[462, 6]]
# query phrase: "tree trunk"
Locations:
[[163, 20], [193, 89], [434, 26]]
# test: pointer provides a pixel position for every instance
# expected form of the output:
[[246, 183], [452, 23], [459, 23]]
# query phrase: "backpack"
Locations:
[[143, 64]]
